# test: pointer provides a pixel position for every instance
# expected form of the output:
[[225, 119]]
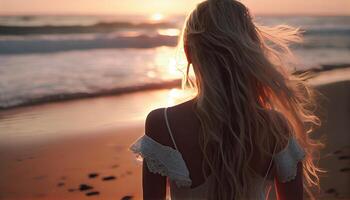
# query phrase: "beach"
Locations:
[[95, 165], [75, 149], [77, 80], [79, 149], [334, 110]]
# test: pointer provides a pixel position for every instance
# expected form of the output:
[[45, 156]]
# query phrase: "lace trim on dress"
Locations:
[[163, 160], [286, 161]]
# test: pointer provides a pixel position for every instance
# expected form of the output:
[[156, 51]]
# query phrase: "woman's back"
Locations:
[[249, 114], [176, 130], [185, 128]]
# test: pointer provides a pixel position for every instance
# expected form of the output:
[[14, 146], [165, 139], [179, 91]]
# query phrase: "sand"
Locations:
[[49, 151], [57, 170], [335, 132], [71, 149]]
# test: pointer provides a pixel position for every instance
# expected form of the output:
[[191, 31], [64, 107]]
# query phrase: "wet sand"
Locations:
[[79, 149]]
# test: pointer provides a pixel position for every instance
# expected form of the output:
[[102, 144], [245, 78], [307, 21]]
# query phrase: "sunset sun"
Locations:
[[157, 17]]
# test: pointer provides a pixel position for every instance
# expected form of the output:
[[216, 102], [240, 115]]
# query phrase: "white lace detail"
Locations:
[[163, 160], [286, 161]]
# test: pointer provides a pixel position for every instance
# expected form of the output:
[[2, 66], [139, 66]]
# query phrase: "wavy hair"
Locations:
[[247, 100]]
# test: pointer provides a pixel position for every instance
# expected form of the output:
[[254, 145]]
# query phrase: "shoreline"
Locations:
[[176, 83], [112, 92], [57, 120]]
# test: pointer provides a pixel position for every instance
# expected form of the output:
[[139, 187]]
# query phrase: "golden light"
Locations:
[[166, 63], [176, 96], [151, 74], [172, 69], [157, 17], [169, 32]]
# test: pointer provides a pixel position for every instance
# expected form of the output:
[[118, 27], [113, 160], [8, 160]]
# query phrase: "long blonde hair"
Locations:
[[247, 101]]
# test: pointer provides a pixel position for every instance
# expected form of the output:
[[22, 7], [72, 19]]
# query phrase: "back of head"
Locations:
[[242, 83]]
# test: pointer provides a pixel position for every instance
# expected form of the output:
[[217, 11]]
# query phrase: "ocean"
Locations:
[[49, 58]]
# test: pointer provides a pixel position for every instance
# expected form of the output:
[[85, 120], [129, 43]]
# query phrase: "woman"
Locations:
[[247, 127]]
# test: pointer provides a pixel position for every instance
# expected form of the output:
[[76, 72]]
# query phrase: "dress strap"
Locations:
[[268, 171], [271, 161], [168, 126]]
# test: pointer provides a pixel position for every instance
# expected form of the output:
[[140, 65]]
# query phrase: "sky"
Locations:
[[167, 7]]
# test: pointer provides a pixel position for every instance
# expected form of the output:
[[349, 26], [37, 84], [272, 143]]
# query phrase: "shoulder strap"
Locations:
[[271, 161], [267, 173], [168, 126]]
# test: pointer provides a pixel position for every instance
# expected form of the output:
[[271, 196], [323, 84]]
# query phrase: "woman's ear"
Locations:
[[187, 52]]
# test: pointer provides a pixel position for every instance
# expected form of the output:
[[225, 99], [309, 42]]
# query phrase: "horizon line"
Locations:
[[172, 14]]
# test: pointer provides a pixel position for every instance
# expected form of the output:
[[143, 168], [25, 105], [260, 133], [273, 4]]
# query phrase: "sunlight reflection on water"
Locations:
[[74, 72]]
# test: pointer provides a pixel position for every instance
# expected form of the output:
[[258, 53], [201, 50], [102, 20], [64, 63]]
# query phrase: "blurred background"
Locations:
[[77, 79]]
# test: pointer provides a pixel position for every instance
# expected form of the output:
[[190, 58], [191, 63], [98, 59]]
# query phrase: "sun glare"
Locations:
[[169, 32], [176, 96], [157, 17]]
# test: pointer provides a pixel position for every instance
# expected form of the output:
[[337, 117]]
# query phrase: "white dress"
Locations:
[[168, 162]]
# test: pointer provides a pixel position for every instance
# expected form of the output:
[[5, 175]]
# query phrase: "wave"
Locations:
[[57, 43], [124, 90], [107, 27], [11, 103], [38, 45], [101, 27], [341, 31]]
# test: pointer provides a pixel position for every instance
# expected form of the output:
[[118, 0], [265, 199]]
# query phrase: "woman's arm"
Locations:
[[291, 190], [154, 185]]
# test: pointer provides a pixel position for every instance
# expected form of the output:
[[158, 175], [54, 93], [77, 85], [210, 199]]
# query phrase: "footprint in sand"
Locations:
[[93, 193], [84, 187], [109, 178], [332, 191], [25, 158], [337, 152], [60, 184], [344, 157], [93, 175], [127, 198], [347, 169]]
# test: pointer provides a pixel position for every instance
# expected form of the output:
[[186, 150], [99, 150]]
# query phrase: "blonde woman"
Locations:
[[248, 127]]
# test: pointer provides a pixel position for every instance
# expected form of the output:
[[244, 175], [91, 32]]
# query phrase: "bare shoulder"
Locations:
[[155, 125]]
